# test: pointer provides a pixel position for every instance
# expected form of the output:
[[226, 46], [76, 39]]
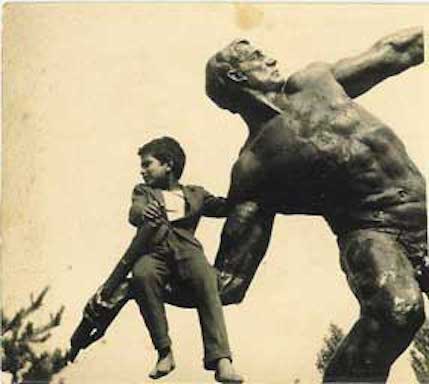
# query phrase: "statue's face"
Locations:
[[258, 71]]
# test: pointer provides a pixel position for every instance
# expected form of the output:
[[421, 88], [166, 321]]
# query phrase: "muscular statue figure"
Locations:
[[312, 150]]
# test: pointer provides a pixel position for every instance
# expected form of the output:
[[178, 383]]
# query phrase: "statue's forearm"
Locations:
[[245, 257], [389, 56], [244, 242], [402, 49]]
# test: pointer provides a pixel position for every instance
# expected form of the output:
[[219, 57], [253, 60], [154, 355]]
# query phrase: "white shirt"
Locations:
[[174, 204]]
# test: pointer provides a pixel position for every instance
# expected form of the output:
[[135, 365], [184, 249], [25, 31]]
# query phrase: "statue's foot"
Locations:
[[164, 366], [225, 372]]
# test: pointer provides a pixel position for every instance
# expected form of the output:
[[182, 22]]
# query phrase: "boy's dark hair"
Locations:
[[166, 150]]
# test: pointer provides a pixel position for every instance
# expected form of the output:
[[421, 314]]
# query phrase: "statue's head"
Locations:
[[240, 69]]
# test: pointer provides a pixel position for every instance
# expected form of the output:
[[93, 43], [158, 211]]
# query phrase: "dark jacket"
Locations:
[[179, 235]]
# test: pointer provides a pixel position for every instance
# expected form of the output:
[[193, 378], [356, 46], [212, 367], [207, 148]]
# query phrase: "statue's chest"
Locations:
[[324, 106], [311, 145]]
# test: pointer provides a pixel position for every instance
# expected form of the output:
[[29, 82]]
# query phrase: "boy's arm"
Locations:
[[144, 208], [148, 216], [139, 201], [214, 206]]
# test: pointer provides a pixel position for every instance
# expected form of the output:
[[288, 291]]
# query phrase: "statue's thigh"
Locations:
[[378, 271]]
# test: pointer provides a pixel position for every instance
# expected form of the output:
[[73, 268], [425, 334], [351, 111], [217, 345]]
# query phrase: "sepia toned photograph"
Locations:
[[214, 192]]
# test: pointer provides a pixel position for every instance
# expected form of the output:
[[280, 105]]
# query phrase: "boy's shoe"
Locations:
[[225, 372], [163, 366]]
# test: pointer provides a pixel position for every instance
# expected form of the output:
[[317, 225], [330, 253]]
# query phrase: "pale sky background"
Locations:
[[86, 84]]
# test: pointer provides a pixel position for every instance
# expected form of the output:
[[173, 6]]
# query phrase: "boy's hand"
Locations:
[[153, 212]]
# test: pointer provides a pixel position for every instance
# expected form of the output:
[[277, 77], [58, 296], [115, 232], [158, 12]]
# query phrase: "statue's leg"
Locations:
[[150, 274], [382, 279]]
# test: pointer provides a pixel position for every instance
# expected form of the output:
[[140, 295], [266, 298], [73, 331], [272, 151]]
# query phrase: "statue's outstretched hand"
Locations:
[[96, 305], [232, 289]]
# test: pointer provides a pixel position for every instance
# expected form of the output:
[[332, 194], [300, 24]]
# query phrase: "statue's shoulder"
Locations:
[[314, 72]]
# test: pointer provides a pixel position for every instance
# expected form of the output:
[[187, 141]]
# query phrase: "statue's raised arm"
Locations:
[[389, 56]]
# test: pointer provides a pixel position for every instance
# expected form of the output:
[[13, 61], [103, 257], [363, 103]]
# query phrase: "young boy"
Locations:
[[177, 256]]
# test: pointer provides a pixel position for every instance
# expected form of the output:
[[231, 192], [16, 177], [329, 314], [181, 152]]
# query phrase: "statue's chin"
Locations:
[[263, 98], [279, 85], [275, 85]]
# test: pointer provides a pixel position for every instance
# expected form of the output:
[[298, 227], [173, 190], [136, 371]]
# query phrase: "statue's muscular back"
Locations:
[[327, 155]]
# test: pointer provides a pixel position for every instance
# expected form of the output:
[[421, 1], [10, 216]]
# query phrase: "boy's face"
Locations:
[[154, 173]]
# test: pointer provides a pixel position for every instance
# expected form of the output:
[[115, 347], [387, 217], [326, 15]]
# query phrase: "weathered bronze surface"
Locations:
[[313, 150]]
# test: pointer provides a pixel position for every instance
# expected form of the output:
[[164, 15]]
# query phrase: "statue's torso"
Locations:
[[327, 155]]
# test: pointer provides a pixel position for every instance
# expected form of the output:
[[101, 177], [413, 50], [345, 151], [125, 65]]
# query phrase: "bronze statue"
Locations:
[[312, 150]]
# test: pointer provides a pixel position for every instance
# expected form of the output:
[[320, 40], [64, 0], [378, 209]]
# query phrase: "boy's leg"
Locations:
[[217, 355], [150, 274]]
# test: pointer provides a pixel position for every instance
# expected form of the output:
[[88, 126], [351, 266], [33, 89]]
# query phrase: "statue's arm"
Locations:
[[389, 56], [244, 242]]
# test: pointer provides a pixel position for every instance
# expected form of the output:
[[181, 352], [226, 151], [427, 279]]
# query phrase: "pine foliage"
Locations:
[[20, 341], [420, 354], [330, 344]]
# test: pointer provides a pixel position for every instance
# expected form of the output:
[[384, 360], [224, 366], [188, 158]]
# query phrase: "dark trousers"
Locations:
[[150, 275], [382, 278]]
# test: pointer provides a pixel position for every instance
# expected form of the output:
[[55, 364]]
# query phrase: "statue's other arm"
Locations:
[[389, 56], [244, 241]]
